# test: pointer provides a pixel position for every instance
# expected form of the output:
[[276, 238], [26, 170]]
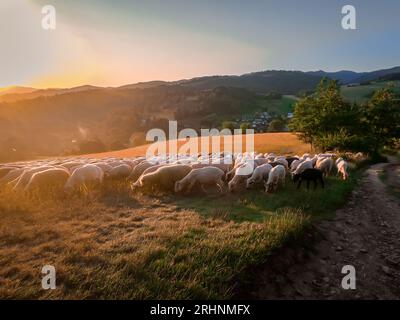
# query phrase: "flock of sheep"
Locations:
[[180, 173]]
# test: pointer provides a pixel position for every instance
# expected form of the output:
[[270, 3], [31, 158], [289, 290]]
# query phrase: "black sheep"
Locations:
[[309, 175], [290, 159]]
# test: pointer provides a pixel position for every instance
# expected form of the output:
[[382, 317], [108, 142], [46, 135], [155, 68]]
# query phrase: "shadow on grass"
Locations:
[[256, 206]]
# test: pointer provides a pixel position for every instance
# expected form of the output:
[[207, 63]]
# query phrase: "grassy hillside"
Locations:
[[57, 125], [279, 106], [115, 244], [362, 93], [280, 143]]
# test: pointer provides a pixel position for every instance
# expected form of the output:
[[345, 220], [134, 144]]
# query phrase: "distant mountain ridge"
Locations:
[[346, 76], [281, 81], [16, 90]]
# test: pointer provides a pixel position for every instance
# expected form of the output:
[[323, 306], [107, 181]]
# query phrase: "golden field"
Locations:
[[279, 143]]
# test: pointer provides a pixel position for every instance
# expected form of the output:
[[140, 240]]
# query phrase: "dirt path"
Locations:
[[365, 234]]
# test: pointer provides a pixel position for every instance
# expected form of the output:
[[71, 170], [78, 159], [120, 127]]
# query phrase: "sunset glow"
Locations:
[[100, 44]]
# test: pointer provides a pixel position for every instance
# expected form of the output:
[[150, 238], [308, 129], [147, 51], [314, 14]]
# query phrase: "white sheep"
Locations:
[[54, 178], [242, 173], [88, 173], [325, 165], [295, 164], [21, 182], [282, 161], [103, 166], [222, 166], [259, 175], [11, 175], [306, 164], [342, 167], [121, 171], [71, 164], [140, 168], [276, 176], [163, 178], [207, 176]]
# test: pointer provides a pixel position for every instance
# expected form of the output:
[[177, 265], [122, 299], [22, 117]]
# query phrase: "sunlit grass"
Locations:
[[107, 242]]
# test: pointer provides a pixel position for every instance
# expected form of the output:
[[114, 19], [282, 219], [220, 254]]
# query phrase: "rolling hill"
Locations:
[[279, 143], [362, 93], [57, 121]]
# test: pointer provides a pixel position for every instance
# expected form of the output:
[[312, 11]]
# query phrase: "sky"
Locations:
[[112, 43]]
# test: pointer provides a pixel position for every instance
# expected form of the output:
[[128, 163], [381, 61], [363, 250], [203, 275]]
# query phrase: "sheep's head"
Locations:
[[250, 182]]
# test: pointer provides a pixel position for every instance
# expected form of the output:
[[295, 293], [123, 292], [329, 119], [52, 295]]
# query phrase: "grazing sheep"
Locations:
[[103, 166], [326, 155], [121, 171], [207, 176], [88, 173], [290, 160], [242, 173], [139, 169], [342, 168], [54, 178], [11, 175], [276, 176], [70, 164], [259, 175], [5, 170], [248, 165], [283, 162], [21, 182], [260, 161], [314, 160], [295, 164], [153, 168], [163, 178], [222, 166], [306, 164], [325, 165], [309, 174]]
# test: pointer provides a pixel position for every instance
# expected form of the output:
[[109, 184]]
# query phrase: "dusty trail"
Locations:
[[365, 234]]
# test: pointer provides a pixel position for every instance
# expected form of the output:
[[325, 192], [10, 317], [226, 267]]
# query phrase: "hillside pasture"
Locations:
[[109, 242], [362, 93], [116, 244], [279, 143]]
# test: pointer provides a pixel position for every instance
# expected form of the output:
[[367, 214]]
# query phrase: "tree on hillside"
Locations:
[[276, 125], [326, 121], [382, 118]]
